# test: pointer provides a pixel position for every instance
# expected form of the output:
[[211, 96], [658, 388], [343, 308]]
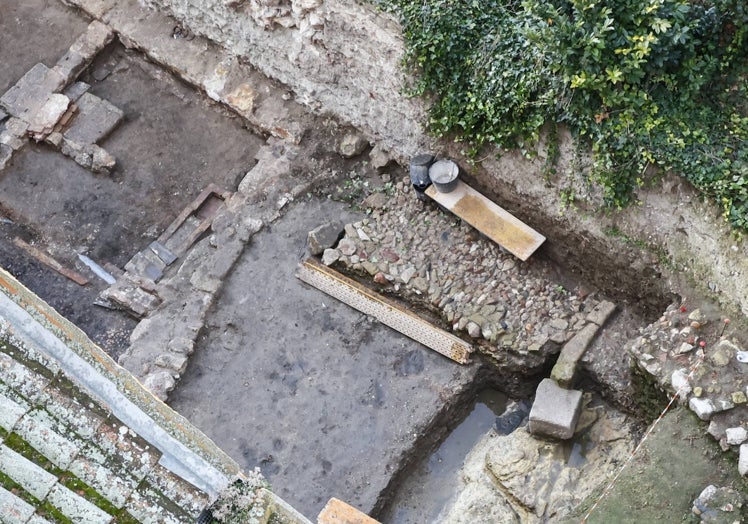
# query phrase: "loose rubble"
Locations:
[[512, 310], [691, 353]]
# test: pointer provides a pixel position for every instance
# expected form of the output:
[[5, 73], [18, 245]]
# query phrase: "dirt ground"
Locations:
[[326, 401], [172, 143]]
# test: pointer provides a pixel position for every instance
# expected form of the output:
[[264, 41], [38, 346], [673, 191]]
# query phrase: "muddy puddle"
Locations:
[[434, 482]]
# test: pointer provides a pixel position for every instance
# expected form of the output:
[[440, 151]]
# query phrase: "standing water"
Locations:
[[432, 485]]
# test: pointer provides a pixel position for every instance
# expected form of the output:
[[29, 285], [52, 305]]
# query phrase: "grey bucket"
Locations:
[[444, 175]]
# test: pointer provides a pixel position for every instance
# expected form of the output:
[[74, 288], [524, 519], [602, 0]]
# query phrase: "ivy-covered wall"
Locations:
[[345, 57]]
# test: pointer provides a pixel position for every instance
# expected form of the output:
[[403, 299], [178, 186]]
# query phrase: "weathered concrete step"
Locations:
[[386, 311], [490, 219]]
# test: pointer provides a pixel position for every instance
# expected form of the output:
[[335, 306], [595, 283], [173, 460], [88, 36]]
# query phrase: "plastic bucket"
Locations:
[[444, 175]]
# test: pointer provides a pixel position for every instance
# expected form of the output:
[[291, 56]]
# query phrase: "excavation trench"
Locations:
[[324, 400]]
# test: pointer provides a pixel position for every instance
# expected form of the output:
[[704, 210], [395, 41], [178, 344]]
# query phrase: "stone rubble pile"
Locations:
[[691, 353], [507, 307]]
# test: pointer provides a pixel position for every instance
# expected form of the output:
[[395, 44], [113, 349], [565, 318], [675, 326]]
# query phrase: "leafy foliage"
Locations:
[[642, 83]]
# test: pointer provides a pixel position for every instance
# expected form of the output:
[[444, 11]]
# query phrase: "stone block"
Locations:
[[43, 121], [138, 301], [323, 237], [15, 510], [338, 512], [96, 37], [736, 436], [566, 366], [108, 483], [75, 507], [95, 119], [702, 407], [555, 411], [32, 478], [70, 66], [6, 153], [32, 91], [11, 412], [743, 459], [601, 312], [76, 90]]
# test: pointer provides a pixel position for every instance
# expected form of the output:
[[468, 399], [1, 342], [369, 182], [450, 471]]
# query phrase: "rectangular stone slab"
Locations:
[[93, 122], [490, 219]]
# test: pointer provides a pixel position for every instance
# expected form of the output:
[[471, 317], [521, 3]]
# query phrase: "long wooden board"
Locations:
[[490, 219], [383, 309]]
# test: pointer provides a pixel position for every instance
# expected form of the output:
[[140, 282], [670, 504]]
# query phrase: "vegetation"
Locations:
[[640, 83]]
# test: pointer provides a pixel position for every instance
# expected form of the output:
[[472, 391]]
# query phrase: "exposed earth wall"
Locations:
[[344, 57]]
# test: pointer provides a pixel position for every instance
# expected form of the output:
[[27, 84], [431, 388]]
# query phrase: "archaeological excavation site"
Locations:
[[243, 280]]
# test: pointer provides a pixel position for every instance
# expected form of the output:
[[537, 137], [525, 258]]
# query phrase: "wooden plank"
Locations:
[[338, 512], [490, 219], [387, 311], [51, 262], [194, 208]]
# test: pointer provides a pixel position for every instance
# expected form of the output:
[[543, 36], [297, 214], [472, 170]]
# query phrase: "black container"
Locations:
[[419, 173]]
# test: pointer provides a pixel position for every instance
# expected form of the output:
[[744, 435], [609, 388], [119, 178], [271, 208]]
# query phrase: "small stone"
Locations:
[[362, 235], [698, 391], [559, 323], [721, 357], [322, 237], [739, 397], [703, 408], [685, 347], [370, 267], [697, 316], [407, 274], [736, 436], [680, 383], [421, 284], [743, 460], [160, 383], [380, 278], [473, 329], [379, 157], [101, 160], [375, 201], [347, 247], [174, 361], [330, 256], [352, 145]]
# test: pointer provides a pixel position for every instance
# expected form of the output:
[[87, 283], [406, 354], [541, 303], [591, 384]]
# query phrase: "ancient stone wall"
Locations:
[[344, 57], [339, 56]]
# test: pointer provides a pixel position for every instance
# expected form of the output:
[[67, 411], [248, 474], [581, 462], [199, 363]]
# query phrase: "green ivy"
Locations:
[[640, 83]]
